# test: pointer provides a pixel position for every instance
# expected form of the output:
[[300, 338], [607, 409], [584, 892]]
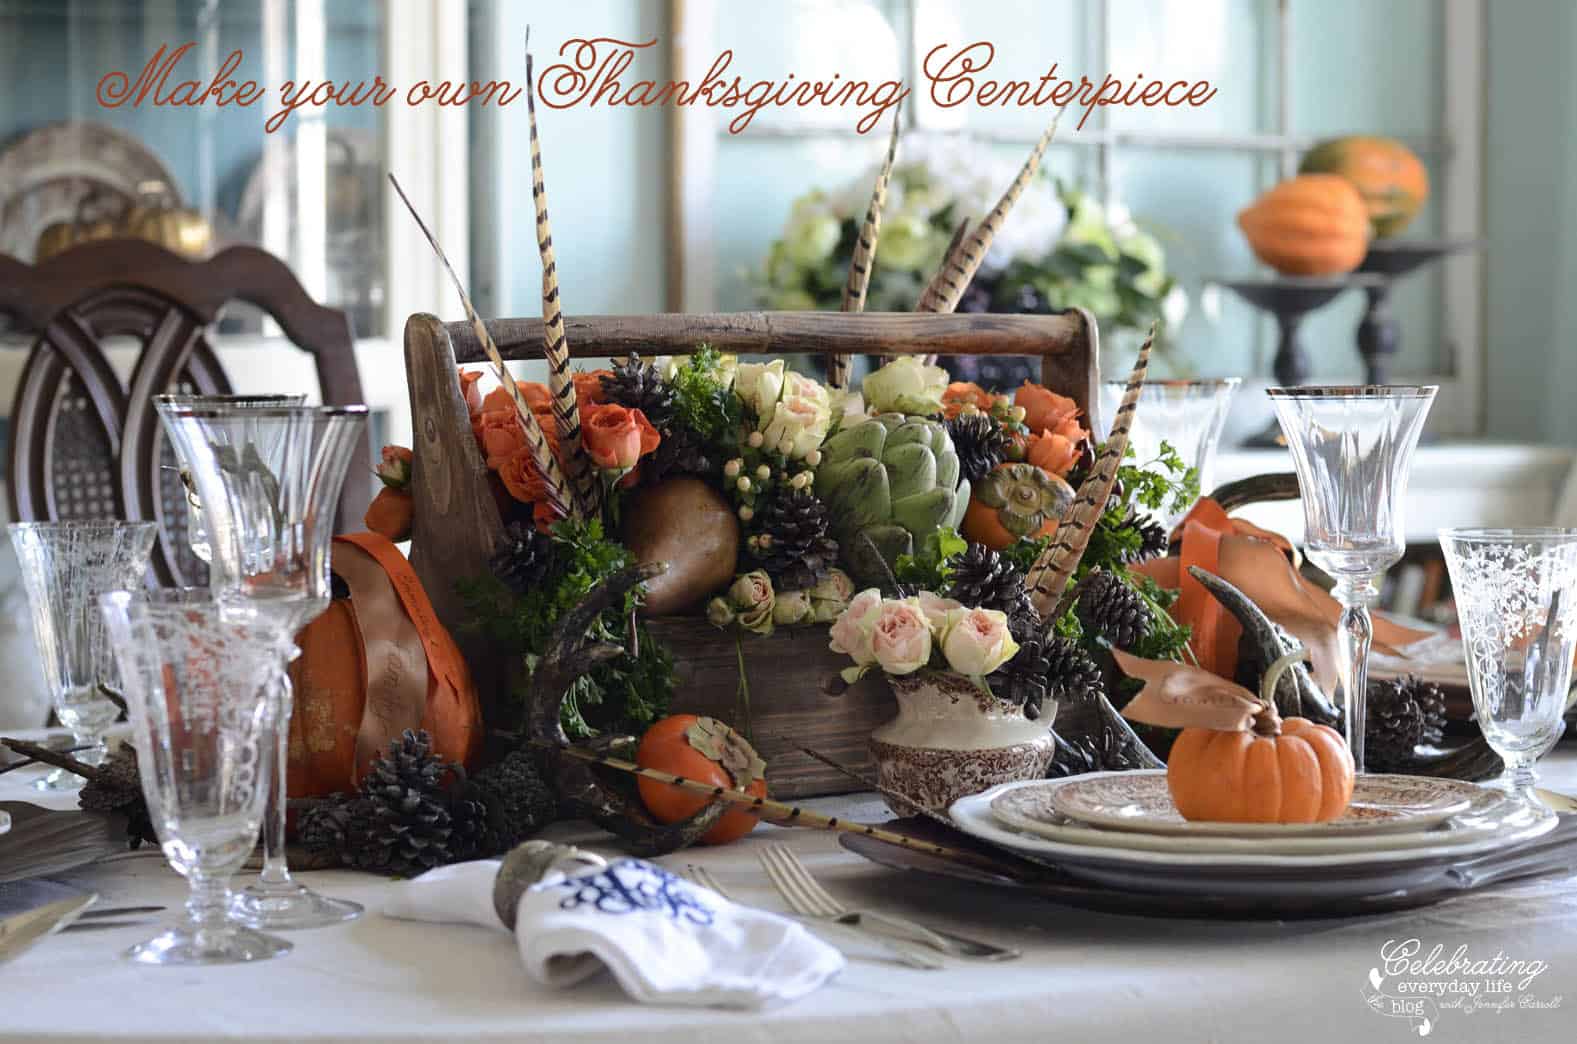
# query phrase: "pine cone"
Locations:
[[1108, 608], [1402, 713], [1154, 541], [682, 451], [1070, 673], [791, 542], [983, 579], [1022, 679], [117, 787], [516, 801], [411, 827], [980, 442], [637, 385], [469, 835], [326, 827], [522, 557]]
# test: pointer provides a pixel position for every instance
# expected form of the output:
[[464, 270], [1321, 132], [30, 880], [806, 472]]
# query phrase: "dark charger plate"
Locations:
[[1553, 853]]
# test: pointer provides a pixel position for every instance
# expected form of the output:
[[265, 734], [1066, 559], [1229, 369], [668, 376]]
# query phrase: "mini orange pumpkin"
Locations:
[[705, 750], [1310, 225], [1291, 771]]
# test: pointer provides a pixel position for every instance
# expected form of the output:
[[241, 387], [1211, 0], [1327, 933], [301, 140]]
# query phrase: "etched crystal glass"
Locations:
[[196, 528], [202, 715], [1353, 449], [65, 566], [1516, 598], [269, 479], [1187, 415]]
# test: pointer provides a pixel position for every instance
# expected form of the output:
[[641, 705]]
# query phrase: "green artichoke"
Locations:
[[894, 480]]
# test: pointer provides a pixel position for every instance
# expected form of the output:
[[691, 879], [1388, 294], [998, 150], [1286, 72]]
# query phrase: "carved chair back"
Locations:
[[85, 444]]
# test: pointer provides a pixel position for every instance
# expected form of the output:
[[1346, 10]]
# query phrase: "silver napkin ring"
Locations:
[[530, 862]]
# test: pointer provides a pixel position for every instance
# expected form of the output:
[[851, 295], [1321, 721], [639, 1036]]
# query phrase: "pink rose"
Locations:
[[851, 633], [902, 639], [978, 641], [936, 608]]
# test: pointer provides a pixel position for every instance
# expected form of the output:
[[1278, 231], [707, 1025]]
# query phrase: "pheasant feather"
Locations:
[[555, 343], [1049, 576], [961, 263], [541, 453], [864, 255]]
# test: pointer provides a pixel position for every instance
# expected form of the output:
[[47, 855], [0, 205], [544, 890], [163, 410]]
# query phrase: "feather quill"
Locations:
[[864, 258], [1049, 576], [541, 453], [555, 344]]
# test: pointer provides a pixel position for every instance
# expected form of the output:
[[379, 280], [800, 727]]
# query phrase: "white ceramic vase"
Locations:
[[952, 738]]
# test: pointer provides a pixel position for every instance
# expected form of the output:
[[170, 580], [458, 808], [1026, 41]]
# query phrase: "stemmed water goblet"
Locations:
[[65, 567], [1353, 449], [268, 479], [1187, 415], [196, 674], [1516, 599]]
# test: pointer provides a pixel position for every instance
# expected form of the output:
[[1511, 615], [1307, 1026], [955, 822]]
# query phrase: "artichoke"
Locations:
[[892, 479]]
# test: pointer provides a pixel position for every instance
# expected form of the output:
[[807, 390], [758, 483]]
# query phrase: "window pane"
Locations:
[[1366, 67], [1222, 41]]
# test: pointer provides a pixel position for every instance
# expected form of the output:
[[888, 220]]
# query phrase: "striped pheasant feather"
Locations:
[[961, 263], [555, 344], [1049, 576], [536, 441], [865, 254]]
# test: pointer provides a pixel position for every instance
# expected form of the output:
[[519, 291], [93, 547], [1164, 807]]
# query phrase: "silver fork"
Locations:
[[806, 909], [819, 902]]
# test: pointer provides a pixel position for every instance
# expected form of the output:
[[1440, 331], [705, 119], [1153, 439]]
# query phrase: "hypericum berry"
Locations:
[[743, 484], [731, 469], [746, 513], [813, 458], [755, 439], [763, 472]]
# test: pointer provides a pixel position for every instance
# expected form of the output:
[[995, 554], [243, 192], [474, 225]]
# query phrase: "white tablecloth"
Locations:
[[1085, 976]]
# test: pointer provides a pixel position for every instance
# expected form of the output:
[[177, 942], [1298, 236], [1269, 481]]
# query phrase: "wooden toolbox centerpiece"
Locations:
[[791, 703]]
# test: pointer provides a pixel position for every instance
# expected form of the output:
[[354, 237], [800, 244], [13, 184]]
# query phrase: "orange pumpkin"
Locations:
[[1393, 181], [1281, 771], [705, 750], [371, 666], [1310, 225]]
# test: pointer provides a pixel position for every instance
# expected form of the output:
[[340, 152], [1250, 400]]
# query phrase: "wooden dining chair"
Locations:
[[84, 444]]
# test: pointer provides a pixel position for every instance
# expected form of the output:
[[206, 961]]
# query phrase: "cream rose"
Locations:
[[752, 595], [851, 633], [791, 609], [902, 638], [797, 426], [978, 641], [936, 610], [759, 385], [906, 385], [831, 596]]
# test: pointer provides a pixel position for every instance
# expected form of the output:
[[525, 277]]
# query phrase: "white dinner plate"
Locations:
[[1026, 810], [1141, 801], [973, 816]]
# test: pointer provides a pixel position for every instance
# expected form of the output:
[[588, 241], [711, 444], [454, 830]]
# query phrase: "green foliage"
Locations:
[[926, 569], [702, 401], [625, 694]]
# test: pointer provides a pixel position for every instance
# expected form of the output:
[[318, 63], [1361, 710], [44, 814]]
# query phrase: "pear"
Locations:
[[687, 524]]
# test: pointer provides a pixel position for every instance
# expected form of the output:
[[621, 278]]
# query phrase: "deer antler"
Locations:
[[555, 345], [1050, 574], [864, 258]]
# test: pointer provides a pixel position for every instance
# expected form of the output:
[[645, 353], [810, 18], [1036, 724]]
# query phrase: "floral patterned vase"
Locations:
[[952, 739]]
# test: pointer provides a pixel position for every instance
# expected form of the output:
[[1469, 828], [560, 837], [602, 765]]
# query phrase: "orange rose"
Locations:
[[390, 513], [470, 392], [499, 434], [535, 393], [1053, 452], [1071, 429], [965, 393], [616, 437], [588, 387], [1044, 409]]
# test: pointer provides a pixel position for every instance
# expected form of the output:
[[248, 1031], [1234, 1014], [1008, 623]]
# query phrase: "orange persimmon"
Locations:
[[667, 747]]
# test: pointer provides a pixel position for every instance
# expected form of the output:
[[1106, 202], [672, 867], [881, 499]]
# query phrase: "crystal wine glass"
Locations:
[[65, 566], [1353, 448], [1188, 415], [196, 528], [1516, 597], [269, 479], [196, 673]]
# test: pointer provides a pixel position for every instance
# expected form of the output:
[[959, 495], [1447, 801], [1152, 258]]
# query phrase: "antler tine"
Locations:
[[555, 343], [541, 453], [1050, 574], [864, 258]]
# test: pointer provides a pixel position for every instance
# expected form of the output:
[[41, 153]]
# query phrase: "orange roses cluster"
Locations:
[[1054, 432], [614, 437]]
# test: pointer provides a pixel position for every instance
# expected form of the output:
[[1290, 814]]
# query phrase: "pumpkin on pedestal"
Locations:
[[371, 666], [1310, 225], [1393, 181]]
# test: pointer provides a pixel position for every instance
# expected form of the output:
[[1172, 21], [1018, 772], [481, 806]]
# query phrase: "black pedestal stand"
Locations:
[[1380, 333]]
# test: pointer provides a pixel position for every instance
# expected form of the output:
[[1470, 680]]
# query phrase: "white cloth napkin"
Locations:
[[665, 940]]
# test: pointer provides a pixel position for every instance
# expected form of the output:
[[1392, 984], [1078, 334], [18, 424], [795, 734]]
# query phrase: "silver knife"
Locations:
[[22, 930]]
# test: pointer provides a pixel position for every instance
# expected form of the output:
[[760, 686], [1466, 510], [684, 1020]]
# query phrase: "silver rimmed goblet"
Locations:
[[196, 673], [1353, 449], [269, 479], [1516, 598], [65, 567], [1187, 415]]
